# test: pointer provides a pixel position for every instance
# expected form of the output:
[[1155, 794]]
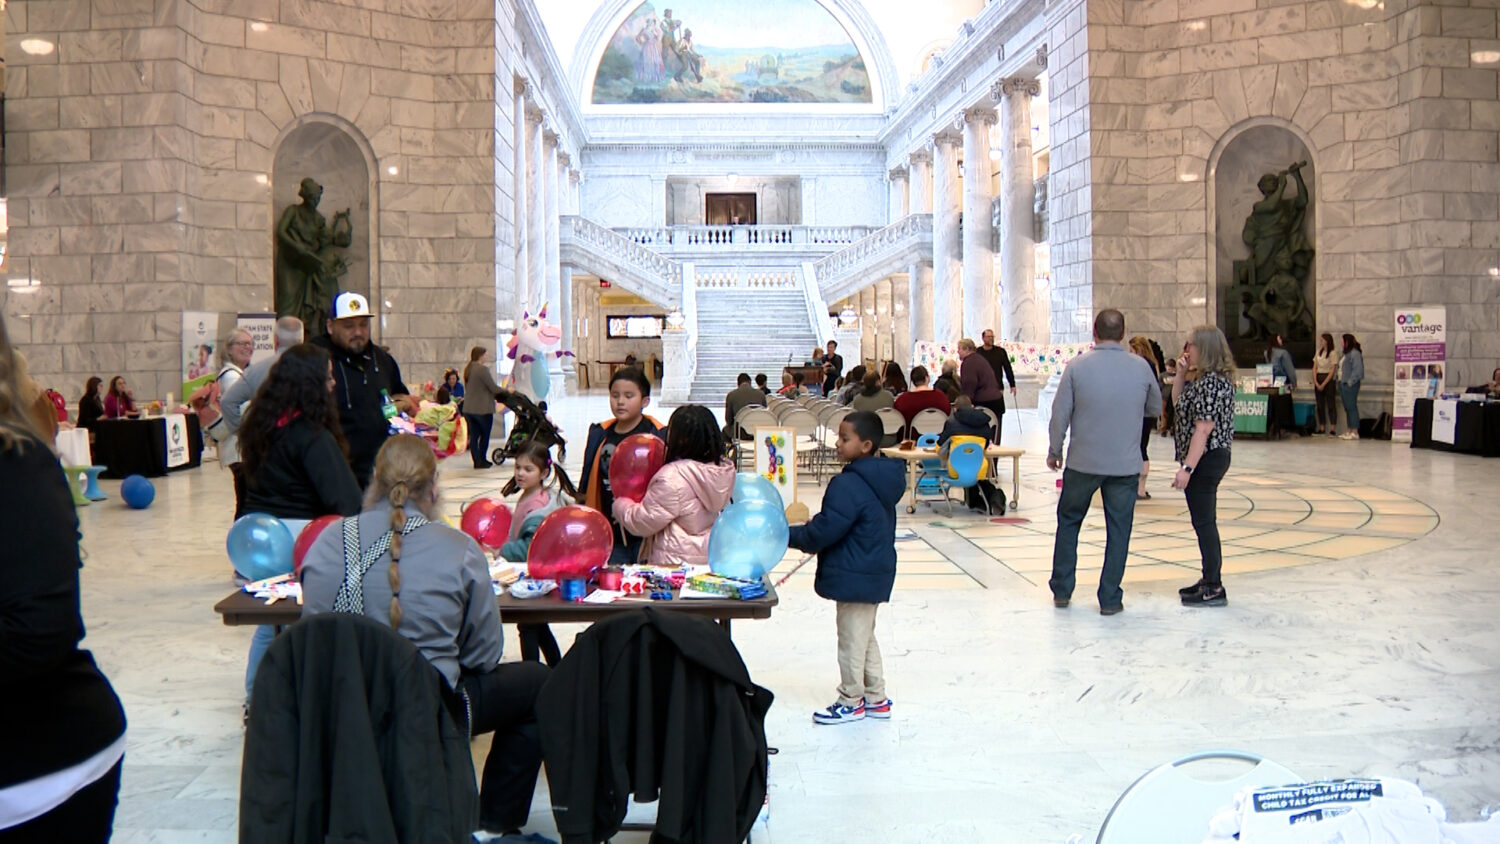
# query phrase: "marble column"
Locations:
[[947, 259], [919, 275], [901, 326], [979, 300], [551, 268], [867, 324], [900, 195], [534, 244], [519, 192], [1019, 319], [537, 155], [564, 296]]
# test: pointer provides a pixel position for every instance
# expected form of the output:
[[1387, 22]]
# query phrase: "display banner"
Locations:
[[1421, 358], [776, 460], [1444, 421], [261, 328], [1250, 413], [200, 331], [175, 429]]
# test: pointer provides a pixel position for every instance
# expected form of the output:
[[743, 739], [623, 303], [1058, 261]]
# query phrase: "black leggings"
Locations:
[[1202, 495], [1327, 405], [537, 643], [85, 818]]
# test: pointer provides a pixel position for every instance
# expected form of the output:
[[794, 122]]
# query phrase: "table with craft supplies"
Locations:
[[992, 452], [242, 608], [149, 445]]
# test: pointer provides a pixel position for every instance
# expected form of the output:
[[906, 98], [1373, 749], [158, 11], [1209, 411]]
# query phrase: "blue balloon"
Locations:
[[260, 546], [137, 492], [747, 538], [750, 486]]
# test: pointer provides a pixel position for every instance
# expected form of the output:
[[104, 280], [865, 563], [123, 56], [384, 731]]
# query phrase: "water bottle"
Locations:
[[387, 406]]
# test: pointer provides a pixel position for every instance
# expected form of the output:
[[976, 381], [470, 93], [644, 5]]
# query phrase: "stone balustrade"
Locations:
[[800, 239], [594, 248], [747, 278], [875, 256]]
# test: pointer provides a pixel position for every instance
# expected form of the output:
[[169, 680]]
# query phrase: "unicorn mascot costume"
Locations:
[[528, 348]]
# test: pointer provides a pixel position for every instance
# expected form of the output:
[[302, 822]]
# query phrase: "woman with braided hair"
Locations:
[[398, 563]]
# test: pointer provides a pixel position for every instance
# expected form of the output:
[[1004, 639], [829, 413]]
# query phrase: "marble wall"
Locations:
[[140, 157], [1398, 99]]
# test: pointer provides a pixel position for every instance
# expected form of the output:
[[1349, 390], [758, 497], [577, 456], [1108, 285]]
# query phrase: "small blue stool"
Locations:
[[92, 491]]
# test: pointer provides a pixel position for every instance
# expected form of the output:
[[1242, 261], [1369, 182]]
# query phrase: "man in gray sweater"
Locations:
[[1103, 396]]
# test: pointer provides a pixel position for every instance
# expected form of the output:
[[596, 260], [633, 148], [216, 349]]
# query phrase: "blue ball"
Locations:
[[747, 539], [137, 492], [260, 546], [750, 486]]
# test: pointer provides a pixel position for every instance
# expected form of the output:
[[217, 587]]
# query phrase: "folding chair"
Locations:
[[994, 424], [1168, 805], [806, 427], [895, 425], [929, 421], [826, 456], [751, 418]]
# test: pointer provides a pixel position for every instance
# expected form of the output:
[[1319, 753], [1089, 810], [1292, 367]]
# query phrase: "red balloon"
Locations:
[[488, 521], [636, 460], [307, 537], [571, 542]]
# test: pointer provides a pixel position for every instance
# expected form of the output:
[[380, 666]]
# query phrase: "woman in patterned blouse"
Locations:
[[1204, 397]]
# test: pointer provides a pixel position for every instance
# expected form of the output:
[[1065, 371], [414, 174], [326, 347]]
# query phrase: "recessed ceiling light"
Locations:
[[393, 170]]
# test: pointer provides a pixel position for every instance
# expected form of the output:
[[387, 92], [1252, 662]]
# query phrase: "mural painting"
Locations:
[[730, 51]]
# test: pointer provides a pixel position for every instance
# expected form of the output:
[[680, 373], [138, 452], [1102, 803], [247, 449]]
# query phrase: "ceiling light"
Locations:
[[22, 285], [1187, 177], [37, 47]]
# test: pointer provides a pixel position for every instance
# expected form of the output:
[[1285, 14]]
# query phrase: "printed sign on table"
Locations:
[[1444, 421], [176, 431], [1250, 413], [1421, 358], [776, 459], [262, 327]]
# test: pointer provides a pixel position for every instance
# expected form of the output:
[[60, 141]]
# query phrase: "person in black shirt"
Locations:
[[91, 404], [833, 367], [363, 374], [999, 361]]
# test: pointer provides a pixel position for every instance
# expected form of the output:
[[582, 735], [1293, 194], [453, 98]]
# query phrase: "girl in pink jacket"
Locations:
[[685, 497]]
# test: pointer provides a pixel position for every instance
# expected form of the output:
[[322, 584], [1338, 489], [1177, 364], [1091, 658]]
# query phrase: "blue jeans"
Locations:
[[1119, 514], [1349, 393], [480, 427], [259, 641]]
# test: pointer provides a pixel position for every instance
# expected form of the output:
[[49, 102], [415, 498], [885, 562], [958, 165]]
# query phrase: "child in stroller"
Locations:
[[531, 423]]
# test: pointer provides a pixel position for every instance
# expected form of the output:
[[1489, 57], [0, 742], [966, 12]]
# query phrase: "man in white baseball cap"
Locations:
[[363, 375]]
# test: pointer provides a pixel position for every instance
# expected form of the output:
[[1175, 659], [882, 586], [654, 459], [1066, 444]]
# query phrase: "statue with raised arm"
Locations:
[[308, 259], [1281, 256]]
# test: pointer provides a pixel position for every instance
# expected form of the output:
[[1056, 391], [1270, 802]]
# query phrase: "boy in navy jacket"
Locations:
[[855, 538]]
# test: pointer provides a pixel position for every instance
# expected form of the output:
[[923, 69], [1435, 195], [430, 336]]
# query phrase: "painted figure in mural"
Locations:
[[669, 29], [534, 335], [649, 67], [1276, 233], [691, 61], [308, 259]]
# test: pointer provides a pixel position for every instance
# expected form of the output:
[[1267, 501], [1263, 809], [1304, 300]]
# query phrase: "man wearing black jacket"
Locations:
[[361, 370]]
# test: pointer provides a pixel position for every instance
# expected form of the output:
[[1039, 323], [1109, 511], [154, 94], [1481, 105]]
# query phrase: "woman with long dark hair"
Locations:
[[60, 772], [1351, 373], [119, 402], [91, 404], [1325, 384], [293, 456], [894, 381]]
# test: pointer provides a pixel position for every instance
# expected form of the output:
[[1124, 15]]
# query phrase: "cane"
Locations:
[[800, 563]]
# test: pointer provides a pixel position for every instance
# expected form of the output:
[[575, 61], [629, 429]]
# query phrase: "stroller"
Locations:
[[531, 423]]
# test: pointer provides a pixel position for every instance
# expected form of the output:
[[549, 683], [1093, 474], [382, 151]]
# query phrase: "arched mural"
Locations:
[[731, 51]]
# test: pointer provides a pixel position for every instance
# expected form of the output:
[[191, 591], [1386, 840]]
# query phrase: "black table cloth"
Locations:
[[1475, 431], [139, 446]]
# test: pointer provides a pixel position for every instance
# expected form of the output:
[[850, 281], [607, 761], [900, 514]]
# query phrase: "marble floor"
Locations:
[[1361, 638]]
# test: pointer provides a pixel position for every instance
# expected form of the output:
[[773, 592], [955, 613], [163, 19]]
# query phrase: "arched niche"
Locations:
[[336, 154], [1237, 293], [873, 54]]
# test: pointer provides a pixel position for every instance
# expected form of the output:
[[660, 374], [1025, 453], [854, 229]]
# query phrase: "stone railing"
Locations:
[[887, 251], [817, 308], [603, 252], [815, 239], [747, 278]]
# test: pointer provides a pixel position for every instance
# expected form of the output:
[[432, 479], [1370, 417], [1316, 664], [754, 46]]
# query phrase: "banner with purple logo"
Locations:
[[1421, 360]]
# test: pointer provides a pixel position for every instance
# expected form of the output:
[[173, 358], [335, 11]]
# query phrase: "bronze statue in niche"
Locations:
[[309, 259], [1270, 285]]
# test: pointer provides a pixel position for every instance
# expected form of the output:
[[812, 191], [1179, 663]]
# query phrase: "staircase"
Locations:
[[748, 329]]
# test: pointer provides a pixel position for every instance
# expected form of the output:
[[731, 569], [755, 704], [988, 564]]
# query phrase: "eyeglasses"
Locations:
[[243, 343]]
